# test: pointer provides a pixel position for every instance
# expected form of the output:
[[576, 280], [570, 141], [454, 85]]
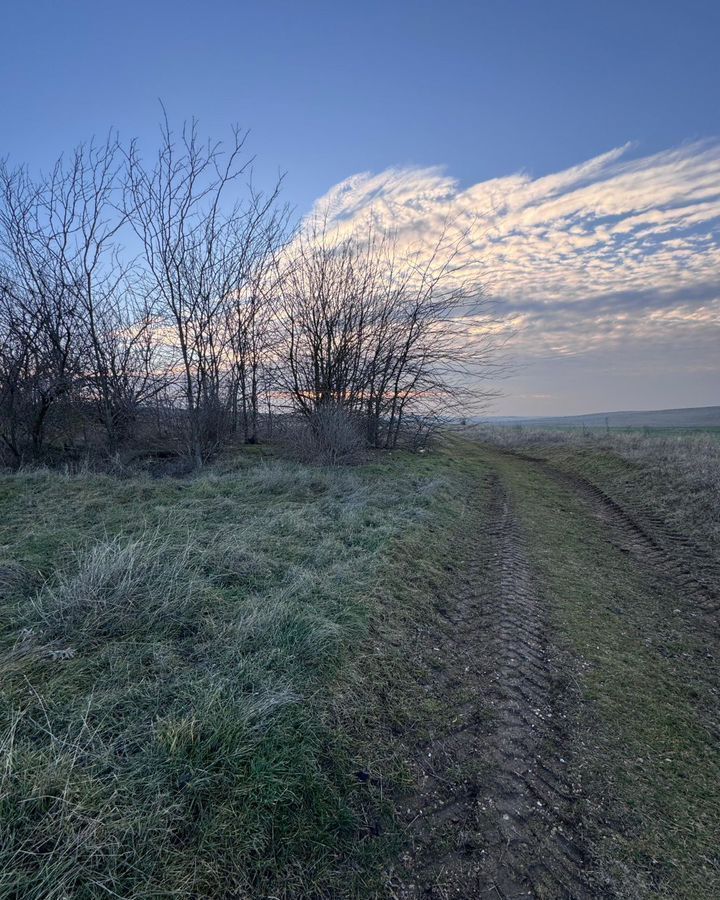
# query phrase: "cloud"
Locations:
[[616, 252]]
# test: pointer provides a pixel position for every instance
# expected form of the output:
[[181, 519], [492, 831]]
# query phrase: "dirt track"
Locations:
[[643, 534], [499, 807], [509, 824]]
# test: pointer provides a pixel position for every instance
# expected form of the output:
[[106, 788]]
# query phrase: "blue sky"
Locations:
[[468, 92]]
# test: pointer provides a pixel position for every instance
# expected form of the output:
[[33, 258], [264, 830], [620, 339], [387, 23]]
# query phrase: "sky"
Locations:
[[584, 137]]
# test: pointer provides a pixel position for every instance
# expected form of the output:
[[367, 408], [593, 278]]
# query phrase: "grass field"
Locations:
[[173, 653], [275, 680], [684, 419]]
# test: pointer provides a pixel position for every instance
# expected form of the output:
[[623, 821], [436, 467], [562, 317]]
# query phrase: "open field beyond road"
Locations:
[[482, 672]]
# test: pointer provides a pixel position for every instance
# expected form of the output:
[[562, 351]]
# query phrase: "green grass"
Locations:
[[178, 660]]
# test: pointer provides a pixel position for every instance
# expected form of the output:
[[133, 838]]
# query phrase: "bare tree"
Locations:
[[14, 372], [222, 314], [377, 332], [250, 312], [202, 253], [41, 318], [115, 324], [70, 303]]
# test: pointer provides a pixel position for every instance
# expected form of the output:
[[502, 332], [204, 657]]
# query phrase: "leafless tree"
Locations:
[[223, 313], [41, 321], [250, 312], [14, 365], [376, 331], [202, 253], [71, 314]]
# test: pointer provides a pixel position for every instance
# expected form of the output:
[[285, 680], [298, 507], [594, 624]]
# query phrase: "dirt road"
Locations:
[[546, 781]]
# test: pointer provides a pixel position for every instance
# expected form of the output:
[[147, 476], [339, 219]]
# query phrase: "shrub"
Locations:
[[332, 436]]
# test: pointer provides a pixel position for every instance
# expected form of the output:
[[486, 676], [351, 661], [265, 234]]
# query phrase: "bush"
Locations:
[[332, 436]]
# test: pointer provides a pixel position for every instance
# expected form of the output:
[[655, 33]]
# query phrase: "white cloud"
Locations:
[[612, 253]]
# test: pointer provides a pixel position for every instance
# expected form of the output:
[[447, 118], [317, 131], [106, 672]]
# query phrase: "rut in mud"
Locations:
[[496, 811]]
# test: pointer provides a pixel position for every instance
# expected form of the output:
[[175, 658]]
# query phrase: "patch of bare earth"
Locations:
[[495, 810]]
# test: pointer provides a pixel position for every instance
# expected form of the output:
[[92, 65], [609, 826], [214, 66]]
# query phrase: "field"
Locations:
[[485, 670], [675, 421]]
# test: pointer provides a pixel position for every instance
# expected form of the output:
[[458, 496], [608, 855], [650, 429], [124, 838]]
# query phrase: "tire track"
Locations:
[[674, 555], [496, 811], [645, 534], [533, 830]]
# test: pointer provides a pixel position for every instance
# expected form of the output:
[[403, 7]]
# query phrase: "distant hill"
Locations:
[[690, 417]]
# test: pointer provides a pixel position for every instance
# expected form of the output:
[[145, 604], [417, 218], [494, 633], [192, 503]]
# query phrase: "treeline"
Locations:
[[167, 299]]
